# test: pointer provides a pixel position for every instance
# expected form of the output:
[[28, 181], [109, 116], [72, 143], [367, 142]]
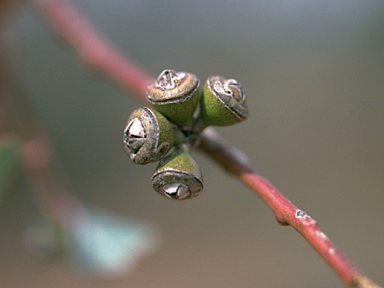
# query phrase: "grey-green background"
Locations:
[[314, 76]]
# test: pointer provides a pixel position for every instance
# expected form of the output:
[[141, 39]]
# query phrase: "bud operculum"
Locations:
[[178, 176], [223, 102], [148, 136], [176, 96]]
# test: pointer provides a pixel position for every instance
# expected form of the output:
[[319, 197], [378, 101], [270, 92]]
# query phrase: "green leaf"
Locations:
[[9, 163], [109, 245]]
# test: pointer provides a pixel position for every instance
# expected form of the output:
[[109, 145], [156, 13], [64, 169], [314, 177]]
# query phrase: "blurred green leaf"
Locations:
[[108, 245], [9, 163]]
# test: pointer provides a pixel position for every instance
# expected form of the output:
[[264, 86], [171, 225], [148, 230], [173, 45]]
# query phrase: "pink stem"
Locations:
[[286, 213], [91, 48]]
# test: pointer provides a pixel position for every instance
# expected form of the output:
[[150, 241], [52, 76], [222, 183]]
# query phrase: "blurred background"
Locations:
[[314, 76]]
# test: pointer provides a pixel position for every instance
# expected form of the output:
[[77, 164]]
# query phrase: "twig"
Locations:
[[236, 163], [95, 51], [91, 48]]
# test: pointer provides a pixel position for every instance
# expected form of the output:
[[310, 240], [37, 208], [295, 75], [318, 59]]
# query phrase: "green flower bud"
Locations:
[[223, 103], [178, 176], [176, 96], [148, 136]]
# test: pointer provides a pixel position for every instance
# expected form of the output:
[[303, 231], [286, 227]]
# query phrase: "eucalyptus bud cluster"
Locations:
[[167, 132]]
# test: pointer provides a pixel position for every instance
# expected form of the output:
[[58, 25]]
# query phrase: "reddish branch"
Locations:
[[91, 48], [285, 212], [95, 51]]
